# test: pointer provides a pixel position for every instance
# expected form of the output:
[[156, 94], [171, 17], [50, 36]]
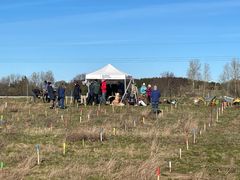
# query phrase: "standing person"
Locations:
[[45, 92], [104, 91], [51, 94], [148, 92], [61, 95], [35, 94], [76, 92], [143, 89], [90, 94], [84, 94], [96, 91], [155, 96]]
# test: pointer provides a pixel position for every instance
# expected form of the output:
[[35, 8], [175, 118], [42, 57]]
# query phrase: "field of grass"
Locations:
[[134, 142]]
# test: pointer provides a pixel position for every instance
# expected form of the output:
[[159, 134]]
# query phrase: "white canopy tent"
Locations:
[[109, 72]]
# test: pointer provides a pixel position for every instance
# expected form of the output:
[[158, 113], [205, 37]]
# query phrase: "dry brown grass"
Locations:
[[137, 149]]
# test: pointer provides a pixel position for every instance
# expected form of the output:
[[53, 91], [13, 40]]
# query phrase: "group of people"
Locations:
[[51, 95], [97, 92], [144, 96]]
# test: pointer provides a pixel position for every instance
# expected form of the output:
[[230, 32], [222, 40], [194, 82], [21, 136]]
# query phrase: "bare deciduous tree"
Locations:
[[235, 74], [231, 76], [225, 77], [194, 71], [206, 77]]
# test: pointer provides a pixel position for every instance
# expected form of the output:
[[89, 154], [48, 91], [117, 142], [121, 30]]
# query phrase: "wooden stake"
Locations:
[[143, 120], [114, 131], [83, 143], [88, 116], [62, 117], [187, 144], [217, 117], [204, 127], [101, 135], [194, 136], [80, 119], [46, 113], [6, 105], [180, 153], [170, 166]]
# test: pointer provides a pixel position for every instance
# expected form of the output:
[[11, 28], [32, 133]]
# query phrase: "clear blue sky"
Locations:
[[141, 37]]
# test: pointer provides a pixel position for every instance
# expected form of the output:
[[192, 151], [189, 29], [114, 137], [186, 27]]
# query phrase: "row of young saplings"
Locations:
[[71, 137], [101, 135], [219, 111]]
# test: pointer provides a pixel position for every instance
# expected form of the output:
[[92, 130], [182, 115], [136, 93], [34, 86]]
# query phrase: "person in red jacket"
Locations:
[[104, 91]]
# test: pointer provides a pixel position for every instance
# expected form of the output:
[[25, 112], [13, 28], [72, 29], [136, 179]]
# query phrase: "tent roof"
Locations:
[[108, 72]]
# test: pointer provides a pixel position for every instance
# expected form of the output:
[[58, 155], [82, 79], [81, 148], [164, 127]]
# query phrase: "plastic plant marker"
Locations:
[[1, 165], [37, 146], [64, 148], [158, 173]]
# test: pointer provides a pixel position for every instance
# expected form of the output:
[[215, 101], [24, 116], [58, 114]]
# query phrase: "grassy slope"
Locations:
[[134, 153]]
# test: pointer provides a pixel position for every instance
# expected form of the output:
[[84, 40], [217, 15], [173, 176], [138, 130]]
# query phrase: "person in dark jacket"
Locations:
[[90, 94], [155, 97], [84, 93], [148, 92], [96, 91], [51, 94], [45, 93], [61, 95], [76, 92], [35, 94]]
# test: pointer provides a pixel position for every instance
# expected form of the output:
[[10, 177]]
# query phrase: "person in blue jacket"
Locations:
[[61, 95], [155, 97], [143, 89]]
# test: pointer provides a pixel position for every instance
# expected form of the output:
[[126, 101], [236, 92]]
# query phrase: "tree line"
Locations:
[[198, 81]]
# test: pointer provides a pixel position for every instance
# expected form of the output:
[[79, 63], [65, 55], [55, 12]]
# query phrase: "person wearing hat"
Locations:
[[149, 91], [143, 89]]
